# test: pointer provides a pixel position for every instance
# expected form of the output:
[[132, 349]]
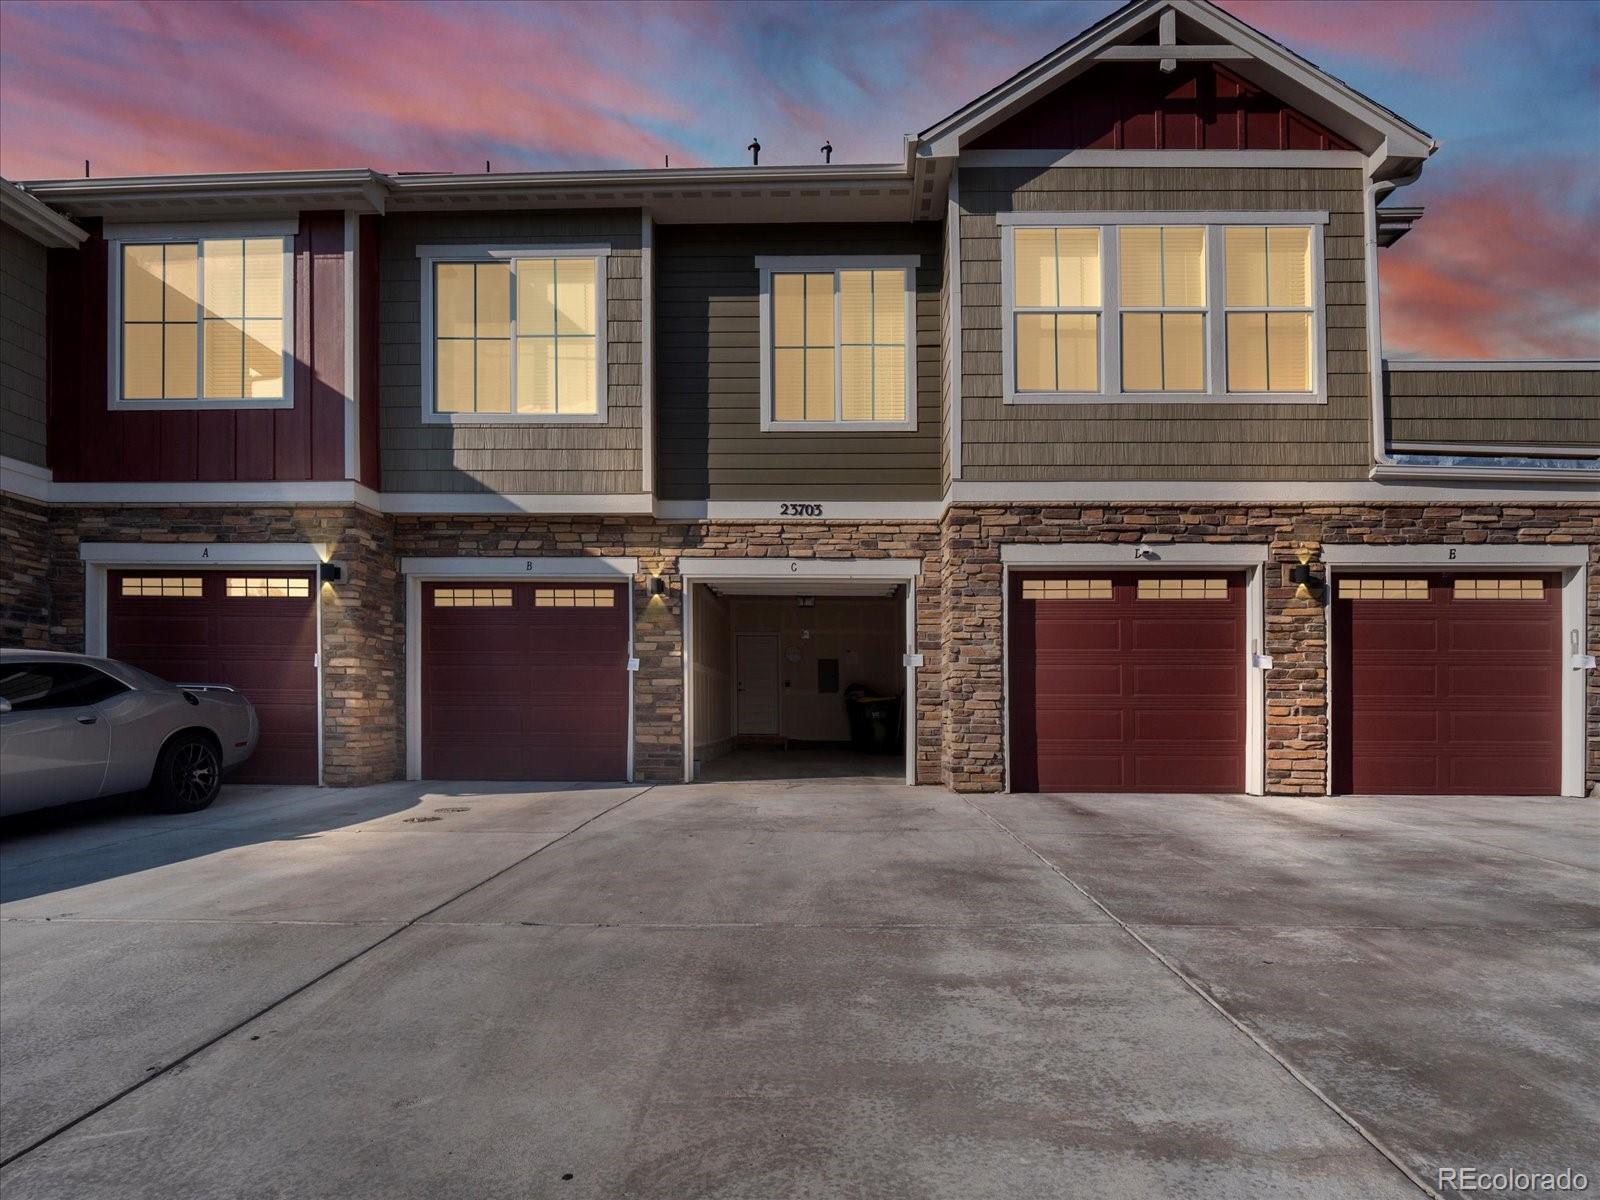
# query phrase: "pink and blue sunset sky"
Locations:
[[1506, 262]]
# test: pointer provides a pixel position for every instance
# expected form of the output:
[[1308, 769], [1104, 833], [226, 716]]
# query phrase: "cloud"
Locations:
[[1503, 264], [1412, 34], [236, 87]]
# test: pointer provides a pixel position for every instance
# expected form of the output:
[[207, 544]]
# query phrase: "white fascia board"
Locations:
[[670, 179], [798, 569], [647, 365], [1303, 79], [222, 193], [492, 503], [1134, 555], [1176, 217], [1327, 160], [171, 494], [772, 510], [25, 479], [1454, 554], [502, 567], [1510, 364], [204, 554], [1442, 491], [1490, 475], [945, 137], [34, 219], [1405, 139]]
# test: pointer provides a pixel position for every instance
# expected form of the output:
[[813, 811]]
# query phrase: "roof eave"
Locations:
[[37, 220], [1404, 140]]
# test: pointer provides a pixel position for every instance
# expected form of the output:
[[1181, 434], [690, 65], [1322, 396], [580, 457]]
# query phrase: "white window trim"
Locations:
[[781, 265], [430, 256], [116, 236], [1216, 391]]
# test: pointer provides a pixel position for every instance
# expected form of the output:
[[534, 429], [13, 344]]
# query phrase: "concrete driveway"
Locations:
[[831, 988]]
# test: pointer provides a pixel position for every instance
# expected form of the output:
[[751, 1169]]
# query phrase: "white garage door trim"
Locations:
[[1573, 564], [418, 571], [801, 570], [100, 557], [1251, 558]]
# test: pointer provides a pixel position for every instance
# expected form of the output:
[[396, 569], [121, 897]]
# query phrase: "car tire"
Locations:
[[188, 775]]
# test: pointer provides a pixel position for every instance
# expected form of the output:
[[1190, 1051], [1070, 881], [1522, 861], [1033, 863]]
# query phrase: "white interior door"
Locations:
[[756, 673]]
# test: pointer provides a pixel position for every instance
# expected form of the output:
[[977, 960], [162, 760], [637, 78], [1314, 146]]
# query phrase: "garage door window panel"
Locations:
[[166, 587], [267, 588]]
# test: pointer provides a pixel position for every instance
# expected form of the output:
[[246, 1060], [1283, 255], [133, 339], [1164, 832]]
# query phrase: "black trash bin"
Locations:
[[874, 720]]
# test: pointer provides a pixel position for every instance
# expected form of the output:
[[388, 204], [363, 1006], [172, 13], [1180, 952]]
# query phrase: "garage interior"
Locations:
[[775, 674]]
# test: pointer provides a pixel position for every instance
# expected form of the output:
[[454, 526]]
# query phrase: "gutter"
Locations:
[[1392, 471], [1376, 190]]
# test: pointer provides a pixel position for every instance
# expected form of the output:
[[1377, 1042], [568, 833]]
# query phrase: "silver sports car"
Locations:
[[74, 727]]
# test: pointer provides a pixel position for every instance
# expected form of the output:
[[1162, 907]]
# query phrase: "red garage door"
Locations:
[[1122, 682], [255, 631], [1447, 685], [524, 681]]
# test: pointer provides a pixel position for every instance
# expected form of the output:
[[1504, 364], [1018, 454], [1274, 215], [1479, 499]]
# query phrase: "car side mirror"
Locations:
[[5, 706]]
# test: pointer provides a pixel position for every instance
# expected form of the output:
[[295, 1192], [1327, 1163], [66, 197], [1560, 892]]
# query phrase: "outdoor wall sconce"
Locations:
[[1307, 585], [331, 572], [657, 586]]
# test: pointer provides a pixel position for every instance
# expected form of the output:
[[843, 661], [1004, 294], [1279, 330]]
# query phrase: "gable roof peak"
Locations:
[[1163, 32]]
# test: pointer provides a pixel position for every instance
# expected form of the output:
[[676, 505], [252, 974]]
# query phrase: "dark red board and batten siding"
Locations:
[[1133, 106], [93, 443]]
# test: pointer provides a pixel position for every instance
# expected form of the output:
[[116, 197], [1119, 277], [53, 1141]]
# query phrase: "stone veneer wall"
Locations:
[[363, 632], [25, 576], [959, 699], [658, 622], [1297, 741]]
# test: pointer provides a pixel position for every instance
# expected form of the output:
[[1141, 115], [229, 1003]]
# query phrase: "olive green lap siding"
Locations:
[[1496, 408], [710, 444], [508, 458], [1153, 441]]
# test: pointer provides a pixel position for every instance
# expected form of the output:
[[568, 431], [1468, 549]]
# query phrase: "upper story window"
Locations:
[[837, 344], [1169, 306], [201, 319], [513, 334]]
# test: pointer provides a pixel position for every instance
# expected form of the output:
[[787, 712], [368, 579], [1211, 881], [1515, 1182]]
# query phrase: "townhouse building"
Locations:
[[1070, 428]]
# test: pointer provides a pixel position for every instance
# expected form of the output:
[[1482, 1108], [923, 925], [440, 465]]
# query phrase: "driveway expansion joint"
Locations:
[[1195, 986], [183, 1059]]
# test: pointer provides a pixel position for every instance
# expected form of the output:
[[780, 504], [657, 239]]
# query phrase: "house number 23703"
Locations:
[[799, 510]]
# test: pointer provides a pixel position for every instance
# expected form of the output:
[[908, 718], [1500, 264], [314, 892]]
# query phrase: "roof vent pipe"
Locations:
[[755, 152], [827, 152]]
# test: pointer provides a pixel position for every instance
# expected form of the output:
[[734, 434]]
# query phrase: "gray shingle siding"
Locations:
[[22, 347], [1496, 408], [1136, 440], [708, 372], [527, 459]]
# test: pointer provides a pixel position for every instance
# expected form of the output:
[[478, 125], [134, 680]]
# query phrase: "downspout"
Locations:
[[1376, 190]]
